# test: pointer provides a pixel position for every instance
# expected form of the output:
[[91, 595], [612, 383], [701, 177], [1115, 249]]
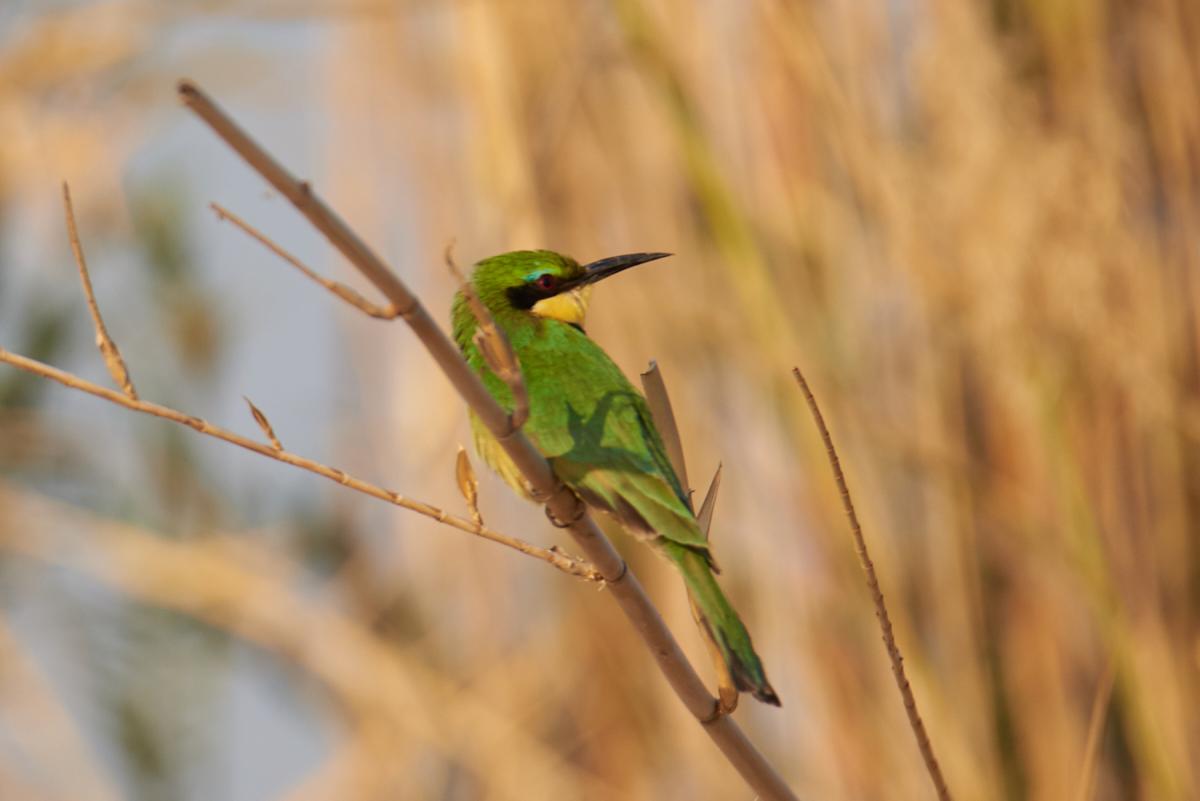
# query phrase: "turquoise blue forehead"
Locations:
[[536, 274]]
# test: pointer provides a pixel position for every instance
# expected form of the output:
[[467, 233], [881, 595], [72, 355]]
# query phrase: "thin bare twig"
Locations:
[[493, 345], [563, 562], [623, 585], [344, 292], [108, 348], [881, 613]]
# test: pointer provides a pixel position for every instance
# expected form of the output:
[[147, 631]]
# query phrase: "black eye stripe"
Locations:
[[524, 296], [530, 292]]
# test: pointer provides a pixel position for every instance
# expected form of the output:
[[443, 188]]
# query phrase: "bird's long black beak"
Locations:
[[599, 270]]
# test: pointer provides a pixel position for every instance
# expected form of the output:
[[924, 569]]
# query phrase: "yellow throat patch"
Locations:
[[569, 307]]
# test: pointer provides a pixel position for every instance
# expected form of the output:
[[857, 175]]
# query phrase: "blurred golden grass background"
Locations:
[[972, 225]]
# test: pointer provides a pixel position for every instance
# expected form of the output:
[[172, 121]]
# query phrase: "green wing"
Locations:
[[601, 442], [647, 501]]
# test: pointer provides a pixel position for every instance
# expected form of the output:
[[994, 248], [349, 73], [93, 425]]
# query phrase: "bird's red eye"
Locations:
[[546, 281]]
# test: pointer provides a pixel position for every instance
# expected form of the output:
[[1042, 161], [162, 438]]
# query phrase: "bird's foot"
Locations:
[[576, 515], [724, 704]]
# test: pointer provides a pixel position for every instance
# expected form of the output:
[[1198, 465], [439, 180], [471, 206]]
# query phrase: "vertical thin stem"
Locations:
[[881, 613]]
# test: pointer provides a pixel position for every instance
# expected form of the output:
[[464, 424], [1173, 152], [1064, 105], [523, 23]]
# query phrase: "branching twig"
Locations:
[[108, 348], [881, 613], [344, 292], [561, 503], [116, 366], [565, 563]]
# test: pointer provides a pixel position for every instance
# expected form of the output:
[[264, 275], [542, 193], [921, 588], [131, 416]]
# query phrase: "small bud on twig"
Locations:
[[264, 424], [468, 485]]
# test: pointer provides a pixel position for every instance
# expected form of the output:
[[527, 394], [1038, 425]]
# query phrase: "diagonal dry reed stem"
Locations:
[[561, 502], [881, 612]]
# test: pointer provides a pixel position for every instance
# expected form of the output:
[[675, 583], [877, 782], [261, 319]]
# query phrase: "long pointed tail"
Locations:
[[722, 622]]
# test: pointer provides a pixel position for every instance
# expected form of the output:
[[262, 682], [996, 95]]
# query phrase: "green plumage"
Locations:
[[596, 431]]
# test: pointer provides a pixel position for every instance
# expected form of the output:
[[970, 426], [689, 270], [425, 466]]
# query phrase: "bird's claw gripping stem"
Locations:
[[721, 708], [547, 501], [576, 516]]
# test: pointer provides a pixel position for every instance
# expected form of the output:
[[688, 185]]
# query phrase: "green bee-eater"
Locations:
[[593, 426]]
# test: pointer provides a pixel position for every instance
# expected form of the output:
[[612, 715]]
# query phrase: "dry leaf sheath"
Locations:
[[657, 399], [494, 346], [659, 402]]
